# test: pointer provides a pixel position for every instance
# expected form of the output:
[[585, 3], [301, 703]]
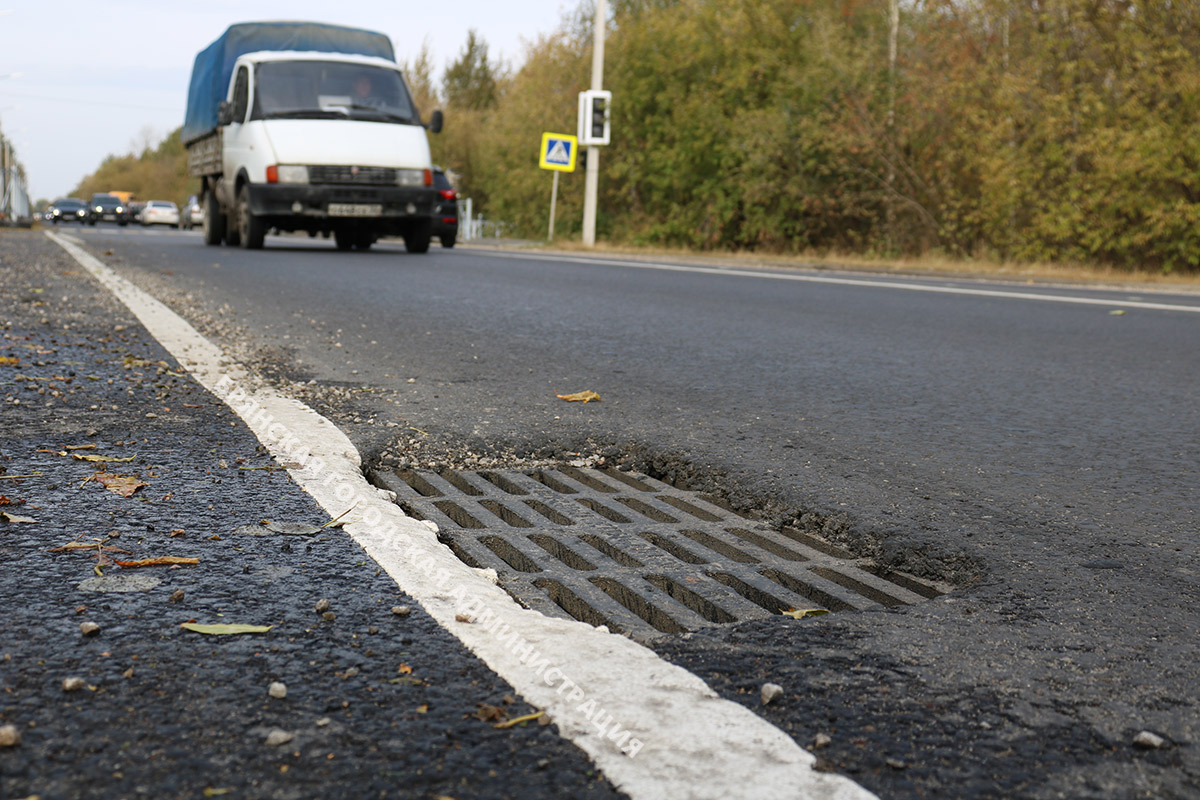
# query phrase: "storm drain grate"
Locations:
[[635, 554]]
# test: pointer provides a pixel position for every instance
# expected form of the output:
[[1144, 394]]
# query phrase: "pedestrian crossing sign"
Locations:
[[558, 152]]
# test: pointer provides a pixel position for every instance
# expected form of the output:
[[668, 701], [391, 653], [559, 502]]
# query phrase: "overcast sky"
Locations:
[[98, 78]]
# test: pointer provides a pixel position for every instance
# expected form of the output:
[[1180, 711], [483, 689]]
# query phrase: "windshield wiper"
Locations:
[[307, 113]]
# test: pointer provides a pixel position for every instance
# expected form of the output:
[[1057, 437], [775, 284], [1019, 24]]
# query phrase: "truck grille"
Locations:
[[358, 176]]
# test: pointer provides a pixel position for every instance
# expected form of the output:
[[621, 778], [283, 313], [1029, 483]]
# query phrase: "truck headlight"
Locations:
[[287, 173]]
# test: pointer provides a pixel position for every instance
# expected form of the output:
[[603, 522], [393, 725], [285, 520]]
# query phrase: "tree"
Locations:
[[470, 82]]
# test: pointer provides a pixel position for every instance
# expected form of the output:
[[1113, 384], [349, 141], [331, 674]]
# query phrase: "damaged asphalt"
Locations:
[[380, 701]]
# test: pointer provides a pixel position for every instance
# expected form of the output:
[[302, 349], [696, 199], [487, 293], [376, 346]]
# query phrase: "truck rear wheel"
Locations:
[[251, 229], [214, 220], [417, 237]]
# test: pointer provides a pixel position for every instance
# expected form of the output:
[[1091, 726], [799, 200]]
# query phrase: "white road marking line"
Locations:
[[738, 272], [696, 745]]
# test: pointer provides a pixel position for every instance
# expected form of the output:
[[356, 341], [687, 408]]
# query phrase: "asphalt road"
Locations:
[[1040, 454]]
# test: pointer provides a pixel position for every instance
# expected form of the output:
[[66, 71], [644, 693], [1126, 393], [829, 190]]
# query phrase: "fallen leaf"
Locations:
[[103, 459], [518, 720], [80, 447], [405, 669], [487, 713], [7, 517], [4, 501], [423, 708], [177, 533], [9, 360], [120, 484], [222, 629], [95, 547], [801, 613], [579, 397], [157, 562]]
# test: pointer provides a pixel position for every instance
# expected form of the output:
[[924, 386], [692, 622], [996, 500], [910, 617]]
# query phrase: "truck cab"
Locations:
[[323, 142]]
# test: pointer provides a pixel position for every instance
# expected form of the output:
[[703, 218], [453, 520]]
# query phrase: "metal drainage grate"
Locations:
[[632, 553]]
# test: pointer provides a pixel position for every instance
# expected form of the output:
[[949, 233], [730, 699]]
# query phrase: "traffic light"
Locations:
[[594, 115]]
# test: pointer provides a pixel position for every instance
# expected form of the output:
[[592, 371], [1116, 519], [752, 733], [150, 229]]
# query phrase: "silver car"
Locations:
[[192, 214], [160, 212]]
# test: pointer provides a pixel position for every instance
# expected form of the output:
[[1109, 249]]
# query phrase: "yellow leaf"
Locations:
[[579, 397], [103, 459], [7, 517], [518, 720], [7, 360], [801, 613], [225, 629]]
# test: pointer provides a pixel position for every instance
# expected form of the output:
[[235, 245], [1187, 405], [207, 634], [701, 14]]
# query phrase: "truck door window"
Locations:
[[241, 94]]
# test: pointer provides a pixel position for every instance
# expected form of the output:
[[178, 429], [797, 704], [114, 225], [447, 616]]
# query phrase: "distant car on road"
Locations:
[[445, 209], [192, 214], [68, 209], [160, 212], [107, 208], [135, 211]]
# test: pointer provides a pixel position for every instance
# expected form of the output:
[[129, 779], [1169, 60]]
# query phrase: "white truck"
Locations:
[[304, 126]]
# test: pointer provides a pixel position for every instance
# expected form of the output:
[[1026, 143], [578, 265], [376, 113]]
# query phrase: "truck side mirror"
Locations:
[[225, 112], [435, 122]]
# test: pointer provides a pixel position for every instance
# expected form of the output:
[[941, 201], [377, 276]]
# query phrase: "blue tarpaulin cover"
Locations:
[[214, 64]]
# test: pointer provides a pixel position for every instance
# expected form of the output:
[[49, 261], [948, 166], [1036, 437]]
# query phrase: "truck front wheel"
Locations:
[[252, 230], [214, 220]]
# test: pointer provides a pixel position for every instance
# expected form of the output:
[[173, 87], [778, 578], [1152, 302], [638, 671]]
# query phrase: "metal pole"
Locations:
[[553, 203], [592, 182]]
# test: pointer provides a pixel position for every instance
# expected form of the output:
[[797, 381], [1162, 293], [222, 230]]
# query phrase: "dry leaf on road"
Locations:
[[158, 562], [579, 397], [224, 629], [124, 485]]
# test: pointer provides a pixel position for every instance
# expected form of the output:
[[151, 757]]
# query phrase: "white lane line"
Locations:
[[738, 272], [603, 691]]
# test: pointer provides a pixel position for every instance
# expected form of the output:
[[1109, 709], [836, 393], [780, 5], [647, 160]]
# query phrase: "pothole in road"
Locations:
[[637, 555]]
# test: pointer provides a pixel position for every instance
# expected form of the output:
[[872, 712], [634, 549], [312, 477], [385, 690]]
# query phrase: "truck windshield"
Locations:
[[330, 89]]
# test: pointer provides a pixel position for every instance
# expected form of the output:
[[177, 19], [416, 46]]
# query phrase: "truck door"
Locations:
[[236, 136]]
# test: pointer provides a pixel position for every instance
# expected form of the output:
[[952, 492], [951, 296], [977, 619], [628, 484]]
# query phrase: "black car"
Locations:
[[68, 209], [445, 209], [107, 208]]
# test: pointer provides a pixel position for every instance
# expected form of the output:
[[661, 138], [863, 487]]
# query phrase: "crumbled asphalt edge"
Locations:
[[170, 713]]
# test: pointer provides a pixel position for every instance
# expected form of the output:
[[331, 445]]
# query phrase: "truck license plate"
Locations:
[[355, 210]]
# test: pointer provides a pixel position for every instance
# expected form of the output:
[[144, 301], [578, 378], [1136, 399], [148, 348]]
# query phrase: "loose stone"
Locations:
[[322, 605], [771, 692], [401, 611], [1148, 741], [10, 736], [177, 596], [277, 737], [277, 690], [821, 740], [89, 628], [72, 684]]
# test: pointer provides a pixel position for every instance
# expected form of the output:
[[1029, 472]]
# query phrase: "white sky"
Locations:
[[98, 78]]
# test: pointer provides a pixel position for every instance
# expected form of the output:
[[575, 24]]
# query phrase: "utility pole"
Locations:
[[592, 181]]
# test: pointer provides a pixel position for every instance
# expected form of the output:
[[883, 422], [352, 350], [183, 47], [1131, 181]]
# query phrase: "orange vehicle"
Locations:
[[125, 196]]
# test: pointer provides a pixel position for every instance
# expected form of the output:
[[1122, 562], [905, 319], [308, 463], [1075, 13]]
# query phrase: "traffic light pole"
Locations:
[[592, 179]]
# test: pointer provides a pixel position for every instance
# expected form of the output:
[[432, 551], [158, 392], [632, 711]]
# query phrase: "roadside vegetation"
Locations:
[[992, 131]]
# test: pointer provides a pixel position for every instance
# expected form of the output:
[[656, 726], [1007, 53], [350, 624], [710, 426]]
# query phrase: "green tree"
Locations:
[[470, 83]]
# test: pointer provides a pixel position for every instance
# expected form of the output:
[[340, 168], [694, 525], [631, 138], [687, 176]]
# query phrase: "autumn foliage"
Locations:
[[1063, 131], [1006, 129]]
